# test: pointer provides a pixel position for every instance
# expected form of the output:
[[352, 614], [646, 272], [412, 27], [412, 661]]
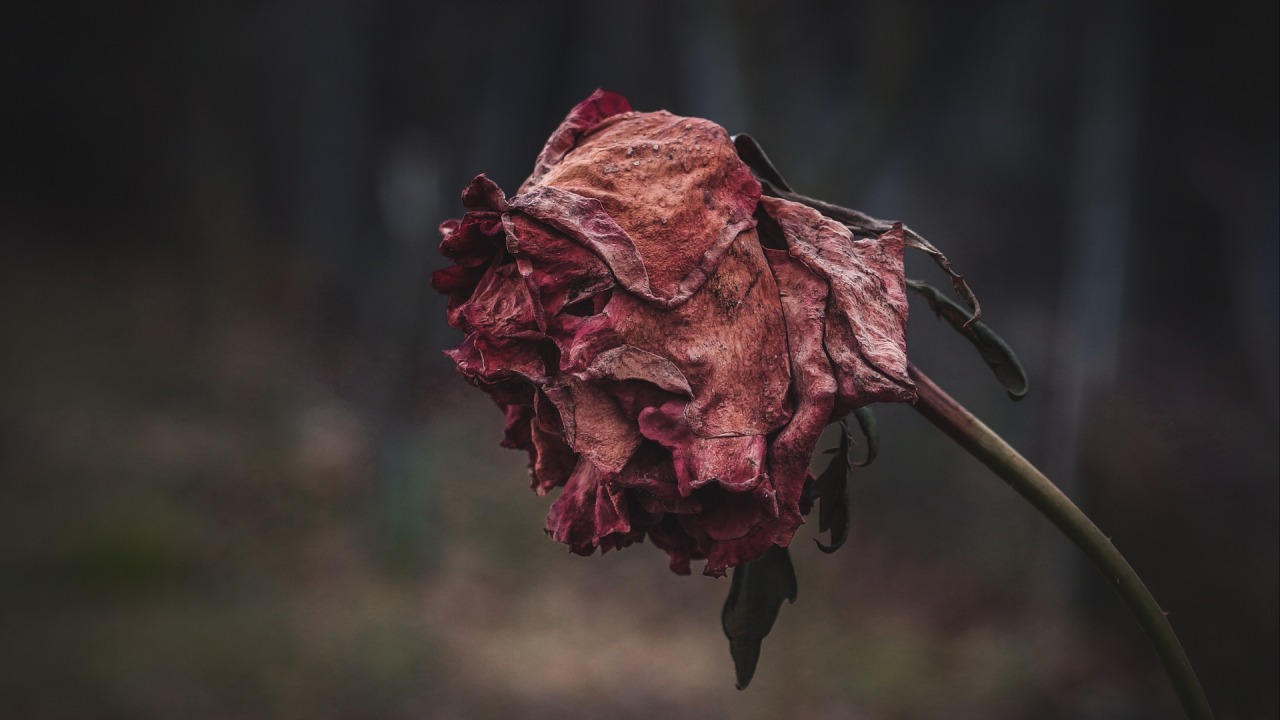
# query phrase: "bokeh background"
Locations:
[[240, 480]]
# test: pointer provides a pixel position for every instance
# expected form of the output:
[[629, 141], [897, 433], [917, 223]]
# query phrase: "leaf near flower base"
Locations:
[[993, 349], [871, 432], [831, 489], [755, 596]]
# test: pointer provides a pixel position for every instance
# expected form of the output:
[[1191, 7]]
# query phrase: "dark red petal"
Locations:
[[559, 271], [485, 360], [731, 515], [582, 119], [501, 306], [681, 548], [473, 240], [634, 396], [473, 243], [867, 307], [582, 339], [652, 482], [552, 460], [518, 434], [484, 194], [587, 511], [731, 553]]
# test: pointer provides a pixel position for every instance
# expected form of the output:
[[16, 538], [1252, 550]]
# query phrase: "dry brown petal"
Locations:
[[867, 310]]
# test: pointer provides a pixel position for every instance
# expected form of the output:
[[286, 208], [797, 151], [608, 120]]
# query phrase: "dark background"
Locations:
[[240, 481]]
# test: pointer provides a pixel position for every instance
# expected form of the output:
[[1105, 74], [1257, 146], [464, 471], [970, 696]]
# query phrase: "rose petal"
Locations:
[[594, 425], [582, 119], [551, 460], [484, 194], [473, 243], [625, 194], [559, 271], [627, 362], [501, 306], [867, 307], [589, 512], [669, 535], [651, 481], [804, 305], [518, 434], [735, 463], [506, 368], [728, 341]]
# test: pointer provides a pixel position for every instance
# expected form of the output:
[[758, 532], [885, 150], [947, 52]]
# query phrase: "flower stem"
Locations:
[[958, 423]]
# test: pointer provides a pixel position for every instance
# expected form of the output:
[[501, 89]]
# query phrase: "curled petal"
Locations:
[[559, 272], [518, 434], [508, 369], [727, 520], [627, 362], [728, 341], [551, 460], [484, 194], [652, 482], [594, 425], [867, 307], [582, 119], [660, 198], [501, 305], [805, 299], [735, 463], [669, 535], [473, 243], [590, 513]]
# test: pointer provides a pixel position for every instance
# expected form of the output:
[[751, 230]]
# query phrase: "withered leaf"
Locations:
[[756, 159], [993, 349], [831, 490], [857, 221], [755, 596], [870, 431]]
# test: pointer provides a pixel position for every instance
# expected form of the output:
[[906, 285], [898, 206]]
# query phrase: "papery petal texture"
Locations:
[[666, 369]]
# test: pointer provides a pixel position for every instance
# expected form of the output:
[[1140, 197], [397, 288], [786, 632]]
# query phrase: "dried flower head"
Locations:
[[668, 344]]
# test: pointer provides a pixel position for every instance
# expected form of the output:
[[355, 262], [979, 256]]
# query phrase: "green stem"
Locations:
[[942, 410]]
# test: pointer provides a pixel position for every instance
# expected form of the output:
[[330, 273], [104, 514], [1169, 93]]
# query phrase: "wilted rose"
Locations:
[[668, 344]]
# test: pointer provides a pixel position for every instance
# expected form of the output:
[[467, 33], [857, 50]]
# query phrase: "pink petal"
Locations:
[[804, 306], [867, 308], [728, 341], [559, 271], [582, 119], [659, 197], [735, 463]]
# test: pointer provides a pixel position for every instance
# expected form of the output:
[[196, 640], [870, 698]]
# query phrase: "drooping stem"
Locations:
[[959, 424]]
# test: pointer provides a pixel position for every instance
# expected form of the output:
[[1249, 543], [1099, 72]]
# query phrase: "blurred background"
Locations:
[[241, 481]]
